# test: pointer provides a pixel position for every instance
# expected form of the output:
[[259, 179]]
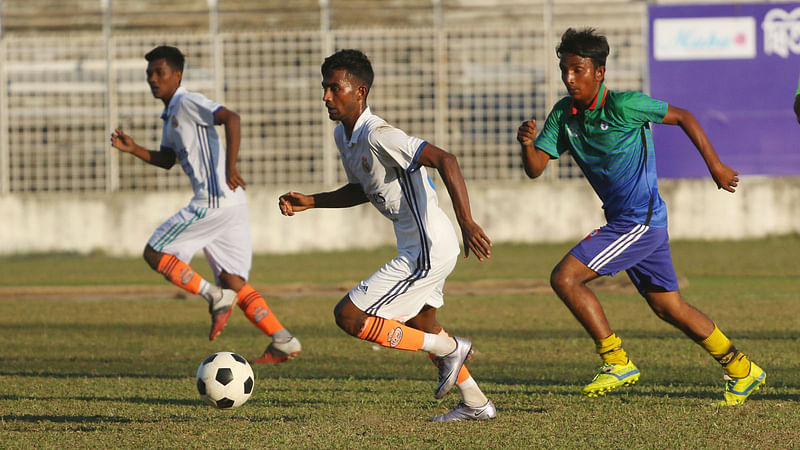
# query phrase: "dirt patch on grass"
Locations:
[[619, 284]]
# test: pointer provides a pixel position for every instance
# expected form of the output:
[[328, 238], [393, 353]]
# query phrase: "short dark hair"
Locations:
[[355, 62], [174, 57], [584, 43]]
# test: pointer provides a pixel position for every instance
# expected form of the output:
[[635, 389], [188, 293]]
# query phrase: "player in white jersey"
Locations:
[[216, 218], [396, 306]]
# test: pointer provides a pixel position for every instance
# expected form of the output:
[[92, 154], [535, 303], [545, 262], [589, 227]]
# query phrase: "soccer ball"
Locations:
[[225, 380]]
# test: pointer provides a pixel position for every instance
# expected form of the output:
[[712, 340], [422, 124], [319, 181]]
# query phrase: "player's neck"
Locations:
[[349, 123]]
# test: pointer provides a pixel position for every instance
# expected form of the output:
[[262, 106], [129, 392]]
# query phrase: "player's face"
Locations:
[[163, 80], [343, 96], [581, 78]]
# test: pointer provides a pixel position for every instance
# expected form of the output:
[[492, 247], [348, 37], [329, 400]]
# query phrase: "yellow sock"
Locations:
[[733, 361], [611, 351]]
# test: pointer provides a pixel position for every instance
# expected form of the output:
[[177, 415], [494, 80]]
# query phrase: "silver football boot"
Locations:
[[449, 366], [464, 412]]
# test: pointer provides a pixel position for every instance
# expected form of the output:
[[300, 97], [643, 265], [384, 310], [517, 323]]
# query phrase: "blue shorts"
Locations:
[[642, 251]]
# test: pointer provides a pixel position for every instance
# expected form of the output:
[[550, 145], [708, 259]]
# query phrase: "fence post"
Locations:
[[216, 51], [440, 93], [551, 88], [112, 117], [5, 177], [328, 160]]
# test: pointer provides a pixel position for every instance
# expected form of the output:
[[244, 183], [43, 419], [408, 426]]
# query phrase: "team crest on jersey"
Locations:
[[592, 234], [174, 122], [395, 336], [365, 164], [603, 125]]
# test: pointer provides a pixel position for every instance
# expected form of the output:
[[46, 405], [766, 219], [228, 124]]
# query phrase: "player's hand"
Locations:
[[294, 202], [233, 178], [122, 141], [725, 177], [476, 240], [527, 133]]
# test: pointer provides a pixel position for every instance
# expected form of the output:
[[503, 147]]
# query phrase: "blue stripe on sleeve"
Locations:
[[415, 161]]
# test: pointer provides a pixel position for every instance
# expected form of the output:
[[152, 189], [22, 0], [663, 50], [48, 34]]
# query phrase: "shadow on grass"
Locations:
[[35, 418], [139, 400], [64, 375]]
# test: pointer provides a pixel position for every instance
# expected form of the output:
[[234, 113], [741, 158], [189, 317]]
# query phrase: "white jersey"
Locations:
[[383, 160], [189, 133]]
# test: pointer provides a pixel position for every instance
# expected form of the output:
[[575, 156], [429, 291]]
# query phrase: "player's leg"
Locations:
[[172, 246], [474, 405], [568, 280], [377, 308], [656, 280], [230, 257], [180, 274], [614, 247], [284, 346]]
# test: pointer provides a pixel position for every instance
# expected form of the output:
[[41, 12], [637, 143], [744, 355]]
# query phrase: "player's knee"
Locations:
[[349, 318], [560, 280], [151, 257]]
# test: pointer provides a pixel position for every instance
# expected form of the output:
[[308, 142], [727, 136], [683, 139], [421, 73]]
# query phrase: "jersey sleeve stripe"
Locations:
[[415, 161]]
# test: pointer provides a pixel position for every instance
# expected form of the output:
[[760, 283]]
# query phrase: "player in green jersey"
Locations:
[[608, 135], [797, 101]]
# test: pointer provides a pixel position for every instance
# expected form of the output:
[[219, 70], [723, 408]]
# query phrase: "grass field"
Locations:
[[109, 370]]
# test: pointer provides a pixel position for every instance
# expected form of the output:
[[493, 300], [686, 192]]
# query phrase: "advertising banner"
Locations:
[[736, 68]]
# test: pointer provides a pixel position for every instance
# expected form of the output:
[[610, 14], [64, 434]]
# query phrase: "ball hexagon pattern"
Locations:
[[225, 380]]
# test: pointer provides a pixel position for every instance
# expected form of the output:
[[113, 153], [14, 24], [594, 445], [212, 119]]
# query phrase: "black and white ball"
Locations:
[[225, 380]]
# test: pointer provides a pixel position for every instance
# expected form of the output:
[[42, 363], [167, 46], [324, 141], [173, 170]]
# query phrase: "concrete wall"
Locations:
[[532, 211]]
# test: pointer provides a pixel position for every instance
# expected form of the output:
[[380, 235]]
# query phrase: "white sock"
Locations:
[[282, 336], [471, 394], [438, 345], [209, 292]]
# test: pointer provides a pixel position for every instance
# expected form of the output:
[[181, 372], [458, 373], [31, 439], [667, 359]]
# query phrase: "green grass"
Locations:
[[119, 372]]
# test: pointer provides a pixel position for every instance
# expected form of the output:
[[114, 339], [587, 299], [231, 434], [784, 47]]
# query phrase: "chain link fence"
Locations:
[[463, 86]]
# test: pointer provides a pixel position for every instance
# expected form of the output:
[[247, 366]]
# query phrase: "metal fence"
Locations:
[[464, 86]]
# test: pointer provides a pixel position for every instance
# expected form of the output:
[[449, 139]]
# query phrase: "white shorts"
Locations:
[[399, 290], [222, 233]]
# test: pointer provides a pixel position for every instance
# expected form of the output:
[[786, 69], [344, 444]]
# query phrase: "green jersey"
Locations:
[[612, 144]]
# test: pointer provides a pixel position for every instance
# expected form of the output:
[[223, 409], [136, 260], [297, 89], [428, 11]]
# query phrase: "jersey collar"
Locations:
[[172, 102], [599, 100], [358, 126]]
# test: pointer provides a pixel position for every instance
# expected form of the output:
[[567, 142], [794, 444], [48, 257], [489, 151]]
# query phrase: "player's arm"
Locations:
[[533, 160], [797, 107], [125, 143], [447, 165], [233, 136], [346, 196], [725, 177]]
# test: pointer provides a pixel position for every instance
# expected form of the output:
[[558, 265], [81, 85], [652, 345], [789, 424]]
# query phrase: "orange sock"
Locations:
[[256, 309], [179, 273], [392, 334]]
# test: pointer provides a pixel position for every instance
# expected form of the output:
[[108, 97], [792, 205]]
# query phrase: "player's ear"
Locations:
[[600, 73], [362, 90]]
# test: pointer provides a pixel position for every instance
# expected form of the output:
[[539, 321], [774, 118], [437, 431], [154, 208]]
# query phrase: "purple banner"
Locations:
[[736, 68]]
